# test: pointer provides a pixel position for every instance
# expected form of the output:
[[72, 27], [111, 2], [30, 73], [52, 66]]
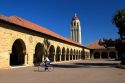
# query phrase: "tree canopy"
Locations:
[[119, 19]]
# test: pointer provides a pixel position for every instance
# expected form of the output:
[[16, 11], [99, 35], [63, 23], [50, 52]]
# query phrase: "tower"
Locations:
[[75, 30]]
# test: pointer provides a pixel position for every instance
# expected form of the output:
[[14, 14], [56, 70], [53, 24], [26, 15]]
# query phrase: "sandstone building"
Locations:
[[23, 44], [100, 52]]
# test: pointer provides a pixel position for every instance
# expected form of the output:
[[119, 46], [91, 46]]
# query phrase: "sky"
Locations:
[[95, 15]]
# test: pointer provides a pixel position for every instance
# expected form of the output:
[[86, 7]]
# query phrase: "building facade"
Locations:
[[24, 43], [75, 30], [100, 52]]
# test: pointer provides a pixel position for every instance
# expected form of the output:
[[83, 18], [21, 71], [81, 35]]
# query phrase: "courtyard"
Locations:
[[79, 71]]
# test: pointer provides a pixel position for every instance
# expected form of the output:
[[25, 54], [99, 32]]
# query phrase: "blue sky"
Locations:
[[95, 15]]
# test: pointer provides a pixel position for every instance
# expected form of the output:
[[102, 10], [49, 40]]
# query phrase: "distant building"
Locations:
[[100, 52], [75, 31]]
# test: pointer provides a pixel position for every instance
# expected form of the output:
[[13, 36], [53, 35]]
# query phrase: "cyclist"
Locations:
[[47, 62]]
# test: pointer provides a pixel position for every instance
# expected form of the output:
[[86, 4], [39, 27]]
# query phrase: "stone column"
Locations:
[[75, 57], [60, 59], [100, 55], [64, 56], [54, 57], [69, 56], [72, 57], [26, 59], [108, 56], [116, 55], [92, 56]]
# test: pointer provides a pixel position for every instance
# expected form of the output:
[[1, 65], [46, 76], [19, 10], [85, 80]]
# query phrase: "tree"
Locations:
[[119, 21], [119, 44], [46, 47]]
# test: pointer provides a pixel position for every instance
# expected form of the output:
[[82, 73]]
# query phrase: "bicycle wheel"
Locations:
[[50, 68], [41, 67]]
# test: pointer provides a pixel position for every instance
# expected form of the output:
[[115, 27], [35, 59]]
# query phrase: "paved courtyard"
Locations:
[[87, 71]]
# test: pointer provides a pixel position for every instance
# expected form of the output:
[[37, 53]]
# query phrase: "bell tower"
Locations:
[[75, 30]]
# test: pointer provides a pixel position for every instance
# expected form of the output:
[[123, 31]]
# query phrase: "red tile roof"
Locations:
[[95, 45], [29, 25]]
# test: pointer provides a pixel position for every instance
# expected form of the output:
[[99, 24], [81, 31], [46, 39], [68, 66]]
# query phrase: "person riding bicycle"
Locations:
[[47, 62]]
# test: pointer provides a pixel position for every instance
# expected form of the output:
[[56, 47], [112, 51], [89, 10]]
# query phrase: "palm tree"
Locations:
[[119, 21]]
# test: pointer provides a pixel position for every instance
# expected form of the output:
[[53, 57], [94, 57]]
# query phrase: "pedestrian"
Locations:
[[47, 62]]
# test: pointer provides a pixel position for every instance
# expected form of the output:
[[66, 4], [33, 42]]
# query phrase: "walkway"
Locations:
[[87, 71]]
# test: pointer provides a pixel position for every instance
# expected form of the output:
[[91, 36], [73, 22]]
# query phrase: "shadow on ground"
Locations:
[[86, 65]]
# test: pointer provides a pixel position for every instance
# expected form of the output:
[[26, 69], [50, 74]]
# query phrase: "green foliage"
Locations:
[[107, 43], [119, 19]]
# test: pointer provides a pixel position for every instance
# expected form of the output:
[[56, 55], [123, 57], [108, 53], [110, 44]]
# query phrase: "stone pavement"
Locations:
[[87, 71]]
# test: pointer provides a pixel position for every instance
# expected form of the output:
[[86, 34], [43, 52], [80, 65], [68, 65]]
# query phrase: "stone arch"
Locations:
[[67, 54], [112, 55], [96, 55], [74, 54], [77, 55], [71, 54], [104, 55], [39, 52], [58, 53], [82, 54], [51, 53], [63, 54], [17, 57]]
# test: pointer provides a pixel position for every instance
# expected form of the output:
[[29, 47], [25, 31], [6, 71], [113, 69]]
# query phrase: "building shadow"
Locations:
[[86, 65]]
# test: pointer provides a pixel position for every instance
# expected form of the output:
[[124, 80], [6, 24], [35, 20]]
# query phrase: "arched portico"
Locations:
[[17, 57], [77, 54], [97, 55], [39, 52], [63, 54], [71, 54], [104, 55], [31, 43], [83, 54], [112, 55], [74, 55], [52, 53], [67, 54], [58, 53]]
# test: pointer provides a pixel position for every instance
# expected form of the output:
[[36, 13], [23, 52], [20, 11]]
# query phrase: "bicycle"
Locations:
[[42, 67]]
